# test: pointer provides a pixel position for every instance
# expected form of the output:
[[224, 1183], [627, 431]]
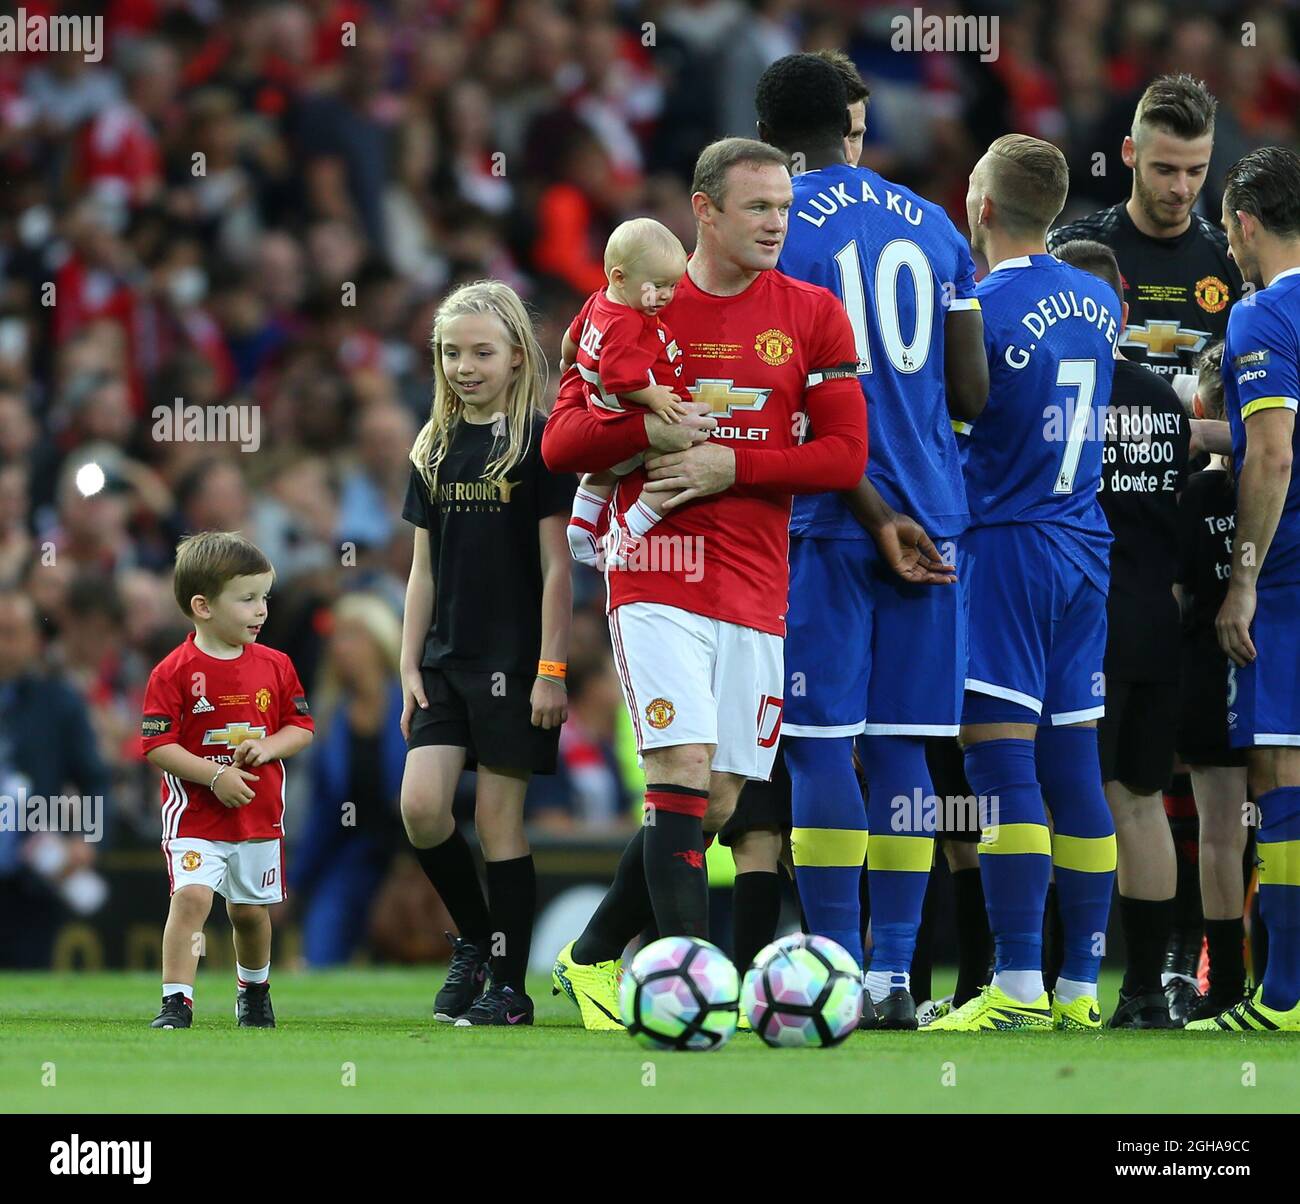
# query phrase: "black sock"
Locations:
[[1188, 925], [922, 971], [674, 866], [1227, 956], [972, 935], [1147, 924], [756, 909], [512, 903], [1258, 941], [623, 911], [450, 867], [1054, 939]]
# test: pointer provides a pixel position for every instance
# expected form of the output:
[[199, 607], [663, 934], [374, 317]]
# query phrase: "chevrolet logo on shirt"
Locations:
[[1164, 339], [722, 398], [233, 734]]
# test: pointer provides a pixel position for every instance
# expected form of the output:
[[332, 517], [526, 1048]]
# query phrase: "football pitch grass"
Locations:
[[87, 1037]]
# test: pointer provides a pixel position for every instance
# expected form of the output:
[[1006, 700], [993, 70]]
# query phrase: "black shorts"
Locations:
[[1137, 734], [947, 765], [762, 805], [486, 714], [1203, 711]]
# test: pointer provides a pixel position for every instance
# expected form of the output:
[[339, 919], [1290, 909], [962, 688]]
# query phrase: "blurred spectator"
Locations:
[[354, 828], [47, 748]]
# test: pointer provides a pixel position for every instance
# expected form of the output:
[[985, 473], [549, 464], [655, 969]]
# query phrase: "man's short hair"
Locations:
[[1266, 184], [1178, 104], [801, 99], [1093, 257], [855, 87], [718, 158], [1028, 181], [206, 561]]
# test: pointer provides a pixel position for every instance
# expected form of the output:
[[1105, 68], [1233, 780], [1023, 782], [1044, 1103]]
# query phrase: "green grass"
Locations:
[[91, 1032]]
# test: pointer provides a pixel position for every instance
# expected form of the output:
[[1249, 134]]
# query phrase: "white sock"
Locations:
[[588, 506], [879, 983], [248, 977], [171, 988], [1024, 986], [639, 519], [1070, 989]]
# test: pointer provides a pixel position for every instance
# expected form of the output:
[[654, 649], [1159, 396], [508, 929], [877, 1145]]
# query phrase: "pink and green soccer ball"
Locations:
[[803, 991], [680, 993]]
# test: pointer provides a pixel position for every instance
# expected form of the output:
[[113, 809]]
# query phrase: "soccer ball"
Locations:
[[680, 993], [803, 991]]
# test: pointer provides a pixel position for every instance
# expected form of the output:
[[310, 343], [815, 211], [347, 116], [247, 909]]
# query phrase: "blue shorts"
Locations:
[[1264, 696], [1037, 631], [864, 650]]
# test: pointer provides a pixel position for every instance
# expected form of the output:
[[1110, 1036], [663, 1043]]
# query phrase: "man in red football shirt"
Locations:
[[697, 614], [220, 715]]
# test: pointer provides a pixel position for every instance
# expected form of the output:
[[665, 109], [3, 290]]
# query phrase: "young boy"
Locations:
[[220, 715], [626, 355]]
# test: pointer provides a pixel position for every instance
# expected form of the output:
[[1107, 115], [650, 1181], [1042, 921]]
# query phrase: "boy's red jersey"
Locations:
[[621, 350], [209, 707]]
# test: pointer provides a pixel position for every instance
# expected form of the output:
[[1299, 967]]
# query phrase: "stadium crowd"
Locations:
[[260, 204]]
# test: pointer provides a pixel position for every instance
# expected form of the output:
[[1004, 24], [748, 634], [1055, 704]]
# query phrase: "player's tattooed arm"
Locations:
[[902, 541], [1261, 495]]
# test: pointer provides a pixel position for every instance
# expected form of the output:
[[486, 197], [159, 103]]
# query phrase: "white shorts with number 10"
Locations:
[[241, 871], [691, 679]]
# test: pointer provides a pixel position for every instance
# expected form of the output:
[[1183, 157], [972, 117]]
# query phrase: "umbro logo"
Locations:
[[202, 707]]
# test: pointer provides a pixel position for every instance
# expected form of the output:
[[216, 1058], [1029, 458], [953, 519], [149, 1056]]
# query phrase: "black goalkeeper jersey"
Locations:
[[1179, 290]]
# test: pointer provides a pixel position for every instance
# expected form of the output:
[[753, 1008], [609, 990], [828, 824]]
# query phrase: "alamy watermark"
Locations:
[[32, 33], [76, 814], [921, 814], [916, 32]]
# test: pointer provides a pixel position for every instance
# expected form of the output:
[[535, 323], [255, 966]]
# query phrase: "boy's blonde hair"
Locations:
[[206, 561], [523, 393], [1209, 380], [638, 237]]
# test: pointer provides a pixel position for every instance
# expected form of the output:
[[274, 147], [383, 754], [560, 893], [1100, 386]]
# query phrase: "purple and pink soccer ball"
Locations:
[[803, 991], [680, 993]]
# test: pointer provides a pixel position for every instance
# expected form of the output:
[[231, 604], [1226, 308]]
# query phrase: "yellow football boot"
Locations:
[[1083, 1014], [993, 1010], [1250, 1015], [593, 990]]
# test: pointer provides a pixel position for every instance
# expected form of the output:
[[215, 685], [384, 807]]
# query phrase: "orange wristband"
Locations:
[[552, 669]]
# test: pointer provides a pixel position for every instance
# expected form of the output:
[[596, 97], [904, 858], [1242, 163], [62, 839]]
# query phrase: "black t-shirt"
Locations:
[[1144, 465], [1179, 290], [1207, 523], [484, 552]]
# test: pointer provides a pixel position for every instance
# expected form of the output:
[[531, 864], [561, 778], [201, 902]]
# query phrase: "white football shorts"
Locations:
[[241, 871]]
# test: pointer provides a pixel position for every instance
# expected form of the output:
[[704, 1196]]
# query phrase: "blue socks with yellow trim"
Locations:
[[900, 849], [1015, 860], [1083, 847], [828, 838], [1278, 848]]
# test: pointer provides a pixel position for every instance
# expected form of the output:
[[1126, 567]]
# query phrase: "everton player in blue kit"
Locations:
[[1037, 575], [1259, 622], [876, 630]]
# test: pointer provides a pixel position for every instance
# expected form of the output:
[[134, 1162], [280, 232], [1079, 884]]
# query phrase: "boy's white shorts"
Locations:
[[242, 871], [691, 679]]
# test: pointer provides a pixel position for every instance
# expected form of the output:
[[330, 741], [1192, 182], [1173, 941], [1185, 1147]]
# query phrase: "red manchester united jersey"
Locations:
[[621, 350], [209, 707], [770, 362]]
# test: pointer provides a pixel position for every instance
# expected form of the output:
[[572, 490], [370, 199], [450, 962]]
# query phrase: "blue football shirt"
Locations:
[[897, 264], [1261, 362], [1034, 454]]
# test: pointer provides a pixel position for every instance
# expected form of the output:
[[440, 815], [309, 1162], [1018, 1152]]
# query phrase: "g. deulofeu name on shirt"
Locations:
[[830, 201], [1057, 307]]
